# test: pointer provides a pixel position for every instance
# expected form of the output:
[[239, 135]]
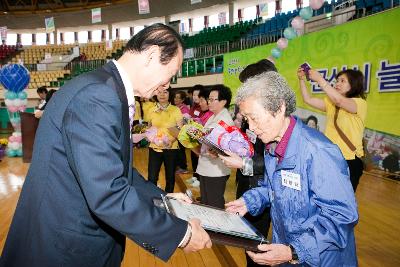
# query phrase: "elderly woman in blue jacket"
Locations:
[[306, 184]]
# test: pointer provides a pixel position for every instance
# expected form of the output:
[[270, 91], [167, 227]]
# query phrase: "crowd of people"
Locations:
[[286, 147], [300, 180]]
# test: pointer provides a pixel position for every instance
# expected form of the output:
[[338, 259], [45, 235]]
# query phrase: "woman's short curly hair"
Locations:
[[271, 90]]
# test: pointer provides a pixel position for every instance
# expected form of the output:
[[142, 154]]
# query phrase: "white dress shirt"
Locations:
[[127, 83]]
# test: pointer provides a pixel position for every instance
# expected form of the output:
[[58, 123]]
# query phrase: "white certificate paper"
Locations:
[[213, 219]]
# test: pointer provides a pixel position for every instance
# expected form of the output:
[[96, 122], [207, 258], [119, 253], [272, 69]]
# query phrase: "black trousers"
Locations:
[[156, 159], [181, 162], [260, 222], [195, 161], [212, 190], [356, 167]]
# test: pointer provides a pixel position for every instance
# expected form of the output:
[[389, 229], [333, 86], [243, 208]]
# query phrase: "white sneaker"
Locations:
[[196, 183]]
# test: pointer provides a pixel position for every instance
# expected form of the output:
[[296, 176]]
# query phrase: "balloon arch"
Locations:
[[296, 29]]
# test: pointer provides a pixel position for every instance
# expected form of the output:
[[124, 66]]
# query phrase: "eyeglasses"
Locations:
[[213, 99]]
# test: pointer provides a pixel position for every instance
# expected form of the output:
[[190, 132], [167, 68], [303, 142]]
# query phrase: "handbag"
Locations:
[[365, 159]]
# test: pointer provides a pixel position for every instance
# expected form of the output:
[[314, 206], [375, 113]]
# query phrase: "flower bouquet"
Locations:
[[190, 134], [3, 146], [157, 137]]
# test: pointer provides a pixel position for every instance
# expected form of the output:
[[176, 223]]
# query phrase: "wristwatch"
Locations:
[[295, 257]]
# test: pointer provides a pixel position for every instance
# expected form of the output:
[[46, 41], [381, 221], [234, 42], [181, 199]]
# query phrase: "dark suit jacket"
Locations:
[[81, 196]]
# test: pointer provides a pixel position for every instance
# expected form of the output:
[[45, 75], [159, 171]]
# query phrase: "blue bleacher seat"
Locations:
[[385, 4], [267, 26], [360, 4], [273, 24], [327, 7], [262, 29], [369, 3], [376, 9]]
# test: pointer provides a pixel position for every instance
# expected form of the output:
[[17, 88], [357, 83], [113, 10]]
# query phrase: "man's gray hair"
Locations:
[[271, 90]]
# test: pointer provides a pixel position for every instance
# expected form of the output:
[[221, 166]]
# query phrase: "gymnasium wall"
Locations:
[[371, 44]]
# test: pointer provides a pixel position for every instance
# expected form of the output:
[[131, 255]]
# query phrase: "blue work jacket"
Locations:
[[313, 206]]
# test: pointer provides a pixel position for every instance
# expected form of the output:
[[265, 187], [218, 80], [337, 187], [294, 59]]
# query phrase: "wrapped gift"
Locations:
[[230, 138]]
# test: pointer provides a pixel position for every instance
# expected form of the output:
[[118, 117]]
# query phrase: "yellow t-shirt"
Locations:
[[146, 106], [162, 120], [138, 114], [351, 124]]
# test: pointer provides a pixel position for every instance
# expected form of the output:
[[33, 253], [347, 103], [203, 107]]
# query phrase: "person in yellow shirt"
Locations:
[[164, 148], [346, 110], [147, 105]]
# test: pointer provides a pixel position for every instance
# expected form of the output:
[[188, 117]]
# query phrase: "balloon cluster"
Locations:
[[15, 78], [16, 101], [14, 148], [296, 29]]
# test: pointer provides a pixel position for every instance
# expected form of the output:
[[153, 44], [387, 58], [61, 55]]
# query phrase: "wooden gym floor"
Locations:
[[376, 233]]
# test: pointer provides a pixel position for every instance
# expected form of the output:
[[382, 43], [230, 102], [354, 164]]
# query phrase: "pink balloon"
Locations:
[[18, 139], [298, 23], [22, 108], [12, 108], [282, 43], [11, 139], [316, 4]]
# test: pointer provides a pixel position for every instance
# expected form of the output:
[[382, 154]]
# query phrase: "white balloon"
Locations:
[[17, 102], [16, 134], [24, 102], [8, 102], [14, 145]]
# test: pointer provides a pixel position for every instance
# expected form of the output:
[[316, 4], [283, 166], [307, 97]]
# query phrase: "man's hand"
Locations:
[[38, 114], [232, 160], [236, 206], [180, 196], [274, 254], [199, 239]]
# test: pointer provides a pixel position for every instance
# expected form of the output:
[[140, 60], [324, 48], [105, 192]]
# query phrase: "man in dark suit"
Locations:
[[81, 196]]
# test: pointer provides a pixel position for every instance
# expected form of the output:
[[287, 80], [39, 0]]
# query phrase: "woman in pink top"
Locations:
[[179, 101], [205, 113]]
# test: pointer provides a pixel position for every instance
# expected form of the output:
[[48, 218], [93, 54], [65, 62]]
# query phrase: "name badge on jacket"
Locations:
[[290, 179]]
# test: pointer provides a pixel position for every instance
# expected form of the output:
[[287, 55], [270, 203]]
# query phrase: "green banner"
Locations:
[[371, 44]]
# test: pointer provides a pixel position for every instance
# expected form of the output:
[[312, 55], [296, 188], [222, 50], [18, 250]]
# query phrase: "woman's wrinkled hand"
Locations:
[[237, 206], [232, 160]]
